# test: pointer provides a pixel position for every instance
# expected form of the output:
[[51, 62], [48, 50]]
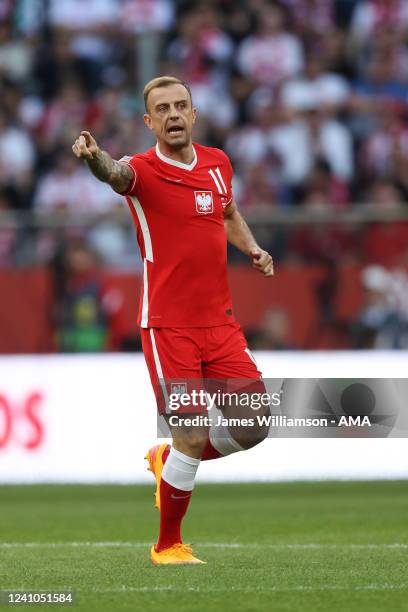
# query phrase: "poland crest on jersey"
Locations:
[[204, 202]]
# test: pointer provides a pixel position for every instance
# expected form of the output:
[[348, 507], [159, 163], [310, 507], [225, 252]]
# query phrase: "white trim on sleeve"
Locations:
[[126, 160]]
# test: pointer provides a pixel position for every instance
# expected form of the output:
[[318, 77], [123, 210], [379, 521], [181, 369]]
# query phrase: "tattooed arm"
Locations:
[[119, 176]]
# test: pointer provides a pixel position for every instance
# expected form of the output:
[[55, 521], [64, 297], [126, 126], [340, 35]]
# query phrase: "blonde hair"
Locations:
[[163, 81]]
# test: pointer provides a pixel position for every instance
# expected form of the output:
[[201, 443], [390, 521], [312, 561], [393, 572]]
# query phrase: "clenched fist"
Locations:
[[85, 146], [262, 261]]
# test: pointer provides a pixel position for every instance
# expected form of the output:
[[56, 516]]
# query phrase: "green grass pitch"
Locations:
[[285, 547]]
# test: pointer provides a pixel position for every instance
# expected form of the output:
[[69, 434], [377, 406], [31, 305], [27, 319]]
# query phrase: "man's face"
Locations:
[[170, 115]]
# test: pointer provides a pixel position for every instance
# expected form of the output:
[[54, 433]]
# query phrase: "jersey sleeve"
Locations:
[[132, 163]]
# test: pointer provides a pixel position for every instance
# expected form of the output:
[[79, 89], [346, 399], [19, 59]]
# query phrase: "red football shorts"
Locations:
[[175, 356]]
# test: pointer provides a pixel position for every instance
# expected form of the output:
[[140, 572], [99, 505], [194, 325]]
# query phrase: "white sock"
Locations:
[[223, 442], [180, 470]]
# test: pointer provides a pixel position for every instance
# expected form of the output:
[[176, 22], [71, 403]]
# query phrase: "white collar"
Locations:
[[173, 162]]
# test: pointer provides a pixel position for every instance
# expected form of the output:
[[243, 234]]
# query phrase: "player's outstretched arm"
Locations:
[[119, 176], [239, 234]]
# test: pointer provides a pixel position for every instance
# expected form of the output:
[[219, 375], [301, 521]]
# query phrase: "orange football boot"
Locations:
[[178, 554], [155, 458]]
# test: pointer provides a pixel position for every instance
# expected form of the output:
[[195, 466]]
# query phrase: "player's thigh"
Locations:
[[173, 358], [228, 355]]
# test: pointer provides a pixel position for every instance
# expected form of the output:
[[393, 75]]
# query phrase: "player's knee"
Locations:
[[249, 439]]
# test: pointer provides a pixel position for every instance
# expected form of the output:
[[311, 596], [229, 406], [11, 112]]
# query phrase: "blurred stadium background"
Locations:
[[310, 100]]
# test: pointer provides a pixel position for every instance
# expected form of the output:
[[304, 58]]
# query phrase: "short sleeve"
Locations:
[[131, 162]]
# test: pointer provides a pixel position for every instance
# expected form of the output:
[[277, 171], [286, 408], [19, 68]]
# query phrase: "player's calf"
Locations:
[[248, 437], [188, 439], [244, 419]]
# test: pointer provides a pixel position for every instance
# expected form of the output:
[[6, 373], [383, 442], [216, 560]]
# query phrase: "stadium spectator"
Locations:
[[201, 55], [68, 188], [63, 112], [329, 90], [371, 17], [313, 135], [248, 144], [263, 186], [17, 153], [15, 56], [321, 180], [319, 242], [377, 91], [385, 151], [88, 311], [87, 22], [312, 17], [272, 53], [378, 324], [140, 16]]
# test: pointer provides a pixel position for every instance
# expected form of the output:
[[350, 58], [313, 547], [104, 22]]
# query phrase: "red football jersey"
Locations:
[[178, 210]]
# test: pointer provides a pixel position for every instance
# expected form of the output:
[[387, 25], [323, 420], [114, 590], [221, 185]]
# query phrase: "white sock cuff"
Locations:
[[185, 458], [180, 470], [223, 442]]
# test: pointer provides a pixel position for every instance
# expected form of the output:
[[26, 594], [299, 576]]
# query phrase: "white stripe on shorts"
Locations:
[[159, 370]]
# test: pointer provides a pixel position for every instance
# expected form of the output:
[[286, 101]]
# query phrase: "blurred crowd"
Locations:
[[308, 97]]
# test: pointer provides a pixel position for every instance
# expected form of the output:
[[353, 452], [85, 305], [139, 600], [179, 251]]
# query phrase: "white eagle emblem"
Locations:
[[178, 388], [204, 202]]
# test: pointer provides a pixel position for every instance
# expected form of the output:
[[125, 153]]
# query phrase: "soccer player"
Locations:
[[180, 197]]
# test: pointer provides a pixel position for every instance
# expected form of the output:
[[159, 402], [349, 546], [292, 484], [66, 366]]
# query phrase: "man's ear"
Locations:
[[194, 111], [148, 121]]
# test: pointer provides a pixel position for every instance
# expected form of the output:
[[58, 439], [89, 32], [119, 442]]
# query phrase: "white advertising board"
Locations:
[[92, 418]]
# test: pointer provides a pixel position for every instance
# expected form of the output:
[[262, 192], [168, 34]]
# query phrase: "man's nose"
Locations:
[[174, 114]]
